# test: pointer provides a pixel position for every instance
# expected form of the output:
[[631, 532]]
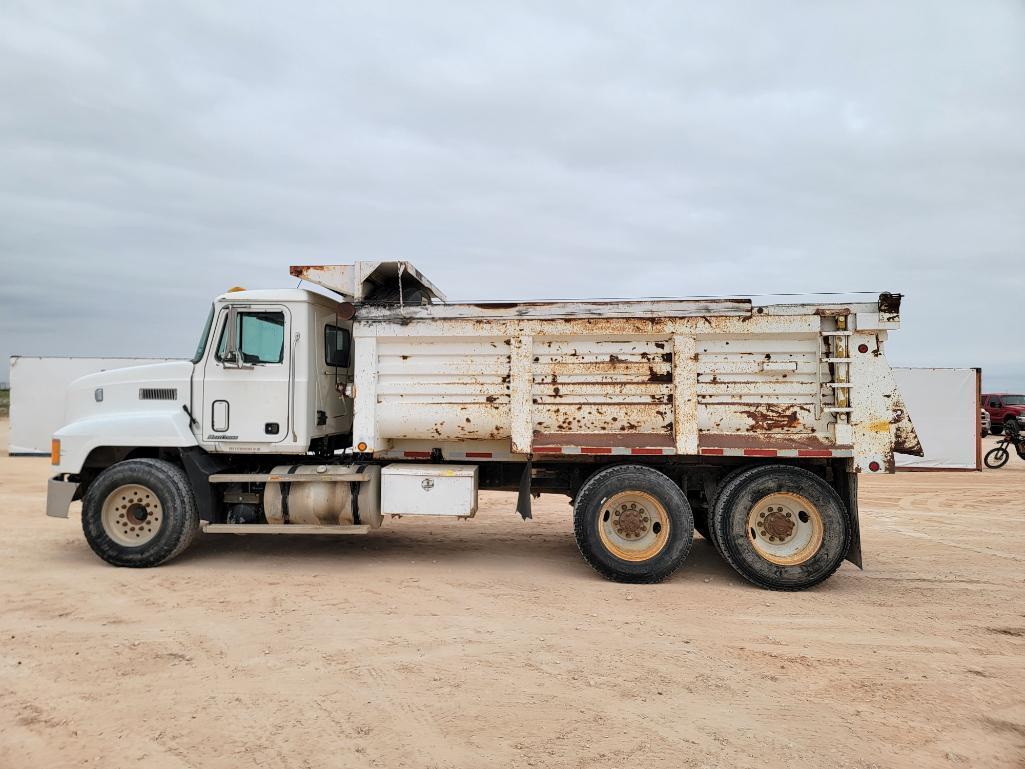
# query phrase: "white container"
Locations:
[[416, 489]]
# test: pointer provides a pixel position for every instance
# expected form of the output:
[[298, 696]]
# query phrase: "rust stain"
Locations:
[[772, 417], [655, 376]]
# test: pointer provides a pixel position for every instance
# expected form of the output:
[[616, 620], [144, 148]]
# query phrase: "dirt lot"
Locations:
[[490, 644]]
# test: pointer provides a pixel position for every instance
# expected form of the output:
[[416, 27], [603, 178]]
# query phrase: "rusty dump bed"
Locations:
[[694, 377]]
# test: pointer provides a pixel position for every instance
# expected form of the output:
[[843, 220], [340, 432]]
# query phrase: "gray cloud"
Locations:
[[152, 156]]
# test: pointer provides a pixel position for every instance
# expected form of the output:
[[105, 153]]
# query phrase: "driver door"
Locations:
[[247, 377]]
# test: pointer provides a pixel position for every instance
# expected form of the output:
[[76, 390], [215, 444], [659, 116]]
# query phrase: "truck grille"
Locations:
[[158, 394]]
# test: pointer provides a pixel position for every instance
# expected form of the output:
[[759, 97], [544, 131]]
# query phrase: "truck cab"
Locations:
[[269, 376]]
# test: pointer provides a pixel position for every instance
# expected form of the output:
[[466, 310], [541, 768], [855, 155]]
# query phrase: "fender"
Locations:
[[137, 429]]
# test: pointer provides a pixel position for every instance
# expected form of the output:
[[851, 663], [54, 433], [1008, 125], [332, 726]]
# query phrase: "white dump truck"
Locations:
[[326, 411]]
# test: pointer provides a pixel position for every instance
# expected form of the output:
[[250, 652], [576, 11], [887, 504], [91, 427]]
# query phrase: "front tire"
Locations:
[[139, 513], [997, 458], [633, 524], [781, 527]]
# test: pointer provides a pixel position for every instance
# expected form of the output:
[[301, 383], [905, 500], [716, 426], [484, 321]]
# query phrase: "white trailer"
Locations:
[[310, 413]]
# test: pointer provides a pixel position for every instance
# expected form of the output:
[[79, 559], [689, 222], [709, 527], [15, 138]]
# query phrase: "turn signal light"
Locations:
[[55, 451], [361, 446]]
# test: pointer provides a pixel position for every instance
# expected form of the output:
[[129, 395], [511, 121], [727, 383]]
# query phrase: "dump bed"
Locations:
[[719, 377]]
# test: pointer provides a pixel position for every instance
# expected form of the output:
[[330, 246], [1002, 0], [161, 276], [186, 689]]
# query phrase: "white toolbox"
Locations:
[[429, 490]]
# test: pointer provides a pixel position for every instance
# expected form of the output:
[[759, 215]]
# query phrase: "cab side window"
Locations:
[[337, 346], [260, 337]]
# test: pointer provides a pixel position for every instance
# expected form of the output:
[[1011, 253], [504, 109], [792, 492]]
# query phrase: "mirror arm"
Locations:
[[232, 357]]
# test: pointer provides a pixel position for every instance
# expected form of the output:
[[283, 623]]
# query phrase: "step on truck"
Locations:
[[372, 397]]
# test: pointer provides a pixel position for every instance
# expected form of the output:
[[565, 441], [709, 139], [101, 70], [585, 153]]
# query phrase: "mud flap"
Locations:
[[523, 498], [848, 484]]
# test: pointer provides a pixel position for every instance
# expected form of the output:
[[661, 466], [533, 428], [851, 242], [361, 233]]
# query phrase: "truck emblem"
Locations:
[[427, 484]]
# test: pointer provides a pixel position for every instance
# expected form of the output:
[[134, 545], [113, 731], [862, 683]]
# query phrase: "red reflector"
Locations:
[[862, 348], [814, 453], [873, 466], [547, 450], [417, 454], [759, 452], [645, 451], [595, 450], [478, 455], [714, 452]]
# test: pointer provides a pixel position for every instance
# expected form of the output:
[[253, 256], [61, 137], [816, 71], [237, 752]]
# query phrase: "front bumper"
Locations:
[[59, 495]]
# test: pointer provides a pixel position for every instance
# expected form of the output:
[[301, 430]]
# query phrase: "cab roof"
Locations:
[[273, 295]]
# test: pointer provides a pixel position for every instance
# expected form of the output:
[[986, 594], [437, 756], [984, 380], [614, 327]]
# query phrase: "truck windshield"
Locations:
[[201, 347], [1013, 400]]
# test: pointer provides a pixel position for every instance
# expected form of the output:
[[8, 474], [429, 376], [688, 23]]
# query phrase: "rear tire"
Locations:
[[632, 524], [781, 527], [728, 481], [139, 513], [997, 429]]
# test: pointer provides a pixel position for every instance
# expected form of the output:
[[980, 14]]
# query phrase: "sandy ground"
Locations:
[[490, 644]]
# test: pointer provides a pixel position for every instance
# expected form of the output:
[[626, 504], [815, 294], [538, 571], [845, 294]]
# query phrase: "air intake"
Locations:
[[158, 394]]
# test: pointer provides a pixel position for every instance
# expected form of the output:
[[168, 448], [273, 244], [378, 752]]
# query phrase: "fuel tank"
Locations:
[[328, 502]]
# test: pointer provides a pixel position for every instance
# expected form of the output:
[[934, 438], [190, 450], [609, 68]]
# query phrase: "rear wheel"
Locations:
[[781, 527], [139, 513], [632, 524], [997, 428]]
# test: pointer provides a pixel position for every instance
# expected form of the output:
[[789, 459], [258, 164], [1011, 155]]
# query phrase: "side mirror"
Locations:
[[231, 357]]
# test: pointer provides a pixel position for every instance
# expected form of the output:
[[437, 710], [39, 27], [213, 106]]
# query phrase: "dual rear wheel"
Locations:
[[778, 526]]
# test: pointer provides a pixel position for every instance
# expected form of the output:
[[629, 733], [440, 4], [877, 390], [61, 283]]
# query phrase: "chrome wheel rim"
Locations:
[[785, 529], [633, 525], [131, 515]]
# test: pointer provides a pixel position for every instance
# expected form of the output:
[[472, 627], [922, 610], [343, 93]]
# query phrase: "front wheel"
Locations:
[[140, 512], [632, 524], [781, 527], [997, 458]]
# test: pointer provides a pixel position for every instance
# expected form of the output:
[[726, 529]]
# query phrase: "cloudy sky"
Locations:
[[152, 155]]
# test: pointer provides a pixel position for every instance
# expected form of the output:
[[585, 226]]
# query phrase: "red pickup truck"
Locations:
[[1002, 407]]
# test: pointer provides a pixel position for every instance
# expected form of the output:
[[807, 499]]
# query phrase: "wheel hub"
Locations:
[[776, 524], [785, 528], [633, 525], [631, 521], [131, 515]]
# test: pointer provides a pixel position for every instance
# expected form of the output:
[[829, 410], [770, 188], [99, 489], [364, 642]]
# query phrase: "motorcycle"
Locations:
[[997, 457]]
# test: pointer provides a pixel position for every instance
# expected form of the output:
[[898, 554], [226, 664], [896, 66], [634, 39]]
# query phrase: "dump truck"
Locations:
[[368, 396]]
